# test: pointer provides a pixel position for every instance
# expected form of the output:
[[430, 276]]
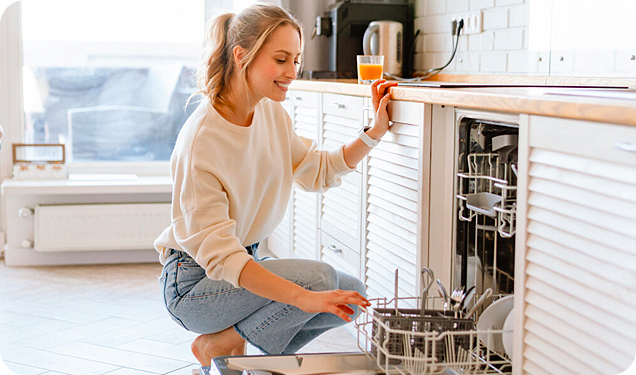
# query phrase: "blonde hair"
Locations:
[[249, 29]]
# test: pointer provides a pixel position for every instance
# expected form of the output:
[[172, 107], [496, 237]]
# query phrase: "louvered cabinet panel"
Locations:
[[338, 255], [279, 242], [391, 214], [306, 114], [579, 292], [340, 213], [305, 225]]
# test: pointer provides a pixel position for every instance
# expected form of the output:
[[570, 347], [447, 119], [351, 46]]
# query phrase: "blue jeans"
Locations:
[[202, 305]]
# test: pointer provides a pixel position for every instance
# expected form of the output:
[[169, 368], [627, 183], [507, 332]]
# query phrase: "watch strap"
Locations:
[[370, 142]]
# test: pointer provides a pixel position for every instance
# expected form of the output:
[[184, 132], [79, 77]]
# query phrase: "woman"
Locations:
[[233, 167]]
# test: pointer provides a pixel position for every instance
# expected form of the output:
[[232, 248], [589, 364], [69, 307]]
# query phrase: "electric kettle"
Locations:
[[385, 38]]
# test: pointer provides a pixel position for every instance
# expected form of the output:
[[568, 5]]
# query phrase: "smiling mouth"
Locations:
[[282, 85]]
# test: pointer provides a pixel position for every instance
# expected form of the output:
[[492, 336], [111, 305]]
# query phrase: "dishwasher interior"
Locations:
[[485, 205]]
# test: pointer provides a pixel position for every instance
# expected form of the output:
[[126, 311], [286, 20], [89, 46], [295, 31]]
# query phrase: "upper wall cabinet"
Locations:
[[584, 38]]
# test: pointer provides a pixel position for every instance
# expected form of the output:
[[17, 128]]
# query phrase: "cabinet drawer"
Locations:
[[406, 112], [341, 211], [308, 99], [343, 105], [584, 138], [338, 255]]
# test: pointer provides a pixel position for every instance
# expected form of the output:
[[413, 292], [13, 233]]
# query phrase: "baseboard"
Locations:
[[30, 257]]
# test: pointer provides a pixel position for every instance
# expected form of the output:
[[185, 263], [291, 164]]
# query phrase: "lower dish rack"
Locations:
[[418, 342]]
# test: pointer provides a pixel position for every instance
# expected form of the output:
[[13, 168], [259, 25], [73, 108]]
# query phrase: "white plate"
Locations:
[[506, 337], [493, 318]]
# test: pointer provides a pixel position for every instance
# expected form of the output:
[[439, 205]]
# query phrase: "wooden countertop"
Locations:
[[555, 102]]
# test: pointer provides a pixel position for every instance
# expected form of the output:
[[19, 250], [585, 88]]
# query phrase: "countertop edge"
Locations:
[[513, 100]]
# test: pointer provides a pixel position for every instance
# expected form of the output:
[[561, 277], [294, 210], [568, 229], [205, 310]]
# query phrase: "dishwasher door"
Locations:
[[297, 364]]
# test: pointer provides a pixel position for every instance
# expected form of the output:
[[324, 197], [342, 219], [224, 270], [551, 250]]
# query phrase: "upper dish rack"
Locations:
[[486, 190]]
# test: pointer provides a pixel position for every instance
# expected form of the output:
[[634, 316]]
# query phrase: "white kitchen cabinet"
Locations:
[[297, 235], [395, 193], [341, 207], [576, 248], [306, 115]]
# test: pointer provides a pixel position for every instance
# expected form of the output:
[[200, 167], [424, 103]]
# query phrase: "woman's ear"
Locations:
[[238, 53]]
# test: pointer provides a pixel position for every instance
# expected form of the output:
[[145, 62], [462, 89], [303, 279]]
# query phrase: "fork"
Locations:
[[457, 296]]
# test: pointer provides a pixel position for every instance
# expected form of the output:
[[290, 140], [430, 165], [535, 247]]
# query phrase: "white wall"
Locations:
[[501, 48]]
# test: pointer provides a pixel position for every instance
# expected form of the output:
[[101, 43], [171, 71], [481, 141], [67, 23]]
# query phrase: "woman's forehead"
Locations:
[[284, 39]]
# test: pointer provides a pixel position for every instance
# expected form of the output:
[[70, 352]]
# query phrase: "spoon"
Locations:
[[443, 293], [480, 301], [430, 273]]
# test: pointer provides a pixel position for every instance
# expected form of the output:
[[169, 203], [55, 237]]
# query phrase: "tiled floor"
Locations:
[[100, 319]]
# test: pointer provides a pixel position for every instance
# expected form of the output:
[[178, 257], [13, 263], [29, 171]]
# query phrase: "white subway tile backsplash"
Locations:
[[594, 61], [494, 62], [495, 18], [419, 8], [519, 15], [456, 6], [467, 62], [484, 41], [478, 4], [509, 39], [626, 61], [436, 42], [435, 7], [507, 2]]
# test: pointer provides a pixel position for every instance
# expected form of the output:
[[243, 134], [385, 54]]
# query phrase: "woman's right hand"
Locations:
[[331, 301]]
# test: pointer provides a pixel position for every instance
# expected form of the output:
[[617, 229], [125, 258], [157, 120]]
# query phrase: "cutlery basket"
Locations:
[[413, 342]]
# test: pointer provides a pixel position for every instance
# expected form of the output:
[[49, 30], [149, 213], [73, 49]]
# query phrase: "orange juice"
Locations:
[[369, 72]]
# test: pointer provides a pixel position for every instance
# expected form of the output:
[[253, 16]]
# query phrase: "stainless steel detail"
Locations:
[[300, 364], [629, 147]]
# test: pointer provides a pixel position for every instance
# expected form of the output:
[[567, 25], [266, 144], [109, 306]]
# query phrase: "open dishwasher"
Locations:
[[434, 338]]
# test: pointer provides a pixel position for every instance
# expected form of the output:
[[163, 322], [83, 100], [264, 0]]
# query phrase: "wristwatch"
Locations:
[[366, 139]]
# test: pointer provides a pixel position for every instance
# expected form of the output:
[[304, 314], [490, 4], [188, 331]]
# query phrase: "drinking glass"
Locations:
[[370, 68]]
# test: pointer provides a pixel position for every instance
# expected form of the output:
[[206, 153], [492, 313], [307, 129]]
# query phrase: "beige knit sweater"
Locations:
[[231, 184]]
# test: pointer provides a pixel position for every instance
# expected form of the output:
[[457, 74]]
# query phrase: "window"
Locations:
[[111, 78]]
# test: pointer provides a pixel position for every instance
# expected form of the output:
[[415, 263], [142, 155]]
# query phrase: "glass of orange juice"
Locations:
[[370, 68]]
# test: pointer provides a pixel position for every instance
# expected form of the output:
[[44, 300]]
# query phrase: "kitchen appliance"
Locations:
[[345, 23], [385, 38], [485, 204]]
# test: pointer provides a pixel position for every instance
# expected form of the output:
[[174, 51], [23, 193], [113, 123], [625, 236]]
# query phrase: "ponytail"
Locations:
[[217, 66], [250, 30]]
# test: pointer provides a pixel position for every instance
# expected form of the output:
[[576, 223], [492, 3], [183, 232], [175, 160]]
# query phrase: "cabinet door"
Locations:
[[279, 242], [338, 255], [341, 207], [577, 232], [306, 105], [393, 213]]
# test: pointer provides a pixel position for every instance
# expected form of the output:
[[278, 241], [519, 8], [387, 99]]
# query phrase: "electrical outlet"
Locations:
[[472, 22]]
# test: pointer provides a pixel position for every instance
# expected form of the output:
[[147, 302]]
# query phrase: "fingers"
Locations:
[[384, 101], [384, 87]]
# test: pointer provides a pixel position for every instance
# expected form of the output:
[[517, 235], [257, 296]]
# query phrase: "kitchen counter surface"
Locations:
[[602, 105]]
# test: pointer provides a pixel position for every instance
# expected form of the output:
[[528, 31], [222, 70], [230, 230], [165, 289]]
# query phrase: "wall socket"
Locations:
[[472, 21]]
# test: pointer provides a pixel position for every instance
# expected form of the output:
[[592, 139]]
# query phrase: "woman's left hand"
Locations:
[[380, 96]]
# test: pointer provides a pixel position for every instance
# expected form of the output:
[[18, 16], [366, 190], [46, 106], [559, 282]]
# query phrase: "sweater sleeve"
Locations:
[[207, 233], [317, 170]]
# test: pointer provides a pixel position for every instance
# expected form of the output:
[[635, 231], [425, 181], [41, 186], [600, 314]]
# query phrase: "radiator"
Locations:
[[81, 227]]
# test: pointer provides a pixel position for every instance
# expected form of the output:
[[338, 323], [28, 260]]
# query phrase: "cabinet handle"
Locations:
[[334, 248], [629, 147], [368, 108], [298, 97], [25, 212], [338, 105]]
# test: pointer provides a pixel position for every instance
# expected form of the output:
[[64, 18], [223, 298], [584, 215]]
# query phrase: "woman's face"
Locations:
[[275, 67]]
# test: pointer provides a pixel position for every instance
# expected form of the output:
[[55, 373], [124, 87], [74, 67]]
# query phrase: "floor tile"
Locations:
[[118, 357]]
